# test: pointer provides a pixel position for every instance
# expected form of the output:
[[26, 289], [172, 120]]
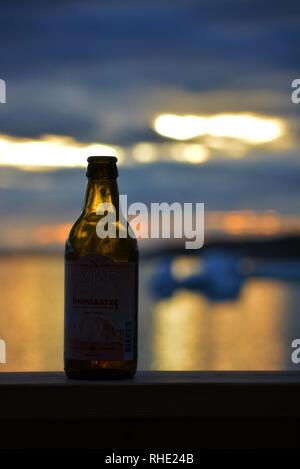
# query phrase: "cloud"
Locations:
[[102, 70], [222, 184]]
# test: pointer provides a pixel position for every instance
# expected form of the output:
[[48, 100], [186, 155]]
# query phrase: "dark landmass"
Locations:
[[281, 247]]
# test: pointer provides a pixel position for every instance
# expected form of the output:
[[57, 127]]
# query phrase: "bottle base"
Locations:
[[98, 370], [98, 376]]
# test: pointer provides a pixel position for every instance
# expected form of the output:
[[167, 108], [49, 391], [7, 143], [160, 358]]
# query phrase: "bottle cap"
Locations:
[[102, 167]]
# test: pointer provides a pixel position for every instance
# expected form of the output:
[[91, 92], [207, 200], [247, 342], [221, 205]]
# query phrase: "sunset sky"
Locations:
[[194, 97]]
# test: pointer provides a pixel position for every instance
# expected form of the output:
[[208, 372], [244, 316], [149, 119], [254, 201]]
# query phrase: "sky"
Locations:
[[97, 75], [99, 71]]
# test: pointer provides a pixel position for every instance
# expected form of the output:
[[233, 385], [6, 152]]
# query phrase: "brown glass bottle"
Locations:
[[101, 285]]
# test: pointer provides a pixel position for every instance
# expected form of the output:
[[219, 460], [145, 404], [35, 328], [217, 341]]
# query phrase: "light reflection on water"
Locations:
[[184, 332], [232, 335]]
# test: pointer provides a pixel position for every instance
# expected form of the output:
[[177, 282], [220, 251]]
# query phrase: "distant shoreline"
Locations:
[[287, 247]]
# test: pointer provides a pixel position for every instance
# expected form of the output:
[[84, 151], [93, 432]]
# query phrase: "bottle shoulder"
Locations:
[[84, 240]]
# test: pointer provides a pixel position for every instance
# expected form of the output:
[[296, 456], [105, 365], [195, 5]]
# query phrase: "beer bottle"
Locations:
[[101, 284]]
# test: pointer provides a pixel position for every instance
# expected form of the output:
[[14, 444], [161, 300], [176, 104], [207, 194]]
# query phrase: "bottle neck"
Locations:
[[101, 191]]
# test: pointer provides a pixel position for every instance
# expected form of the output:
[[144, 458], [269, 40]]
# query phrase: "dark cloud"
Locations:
[[81, 33], [56, 196], [99, 70]]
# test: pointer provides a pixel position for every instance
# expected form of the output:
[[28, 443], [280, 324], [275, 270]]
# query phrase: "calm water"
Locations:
[[183, 332]]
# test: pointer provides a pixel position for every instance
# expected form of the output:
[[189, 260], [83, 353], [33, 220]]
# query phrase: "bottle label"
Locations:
[[100, 309]]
